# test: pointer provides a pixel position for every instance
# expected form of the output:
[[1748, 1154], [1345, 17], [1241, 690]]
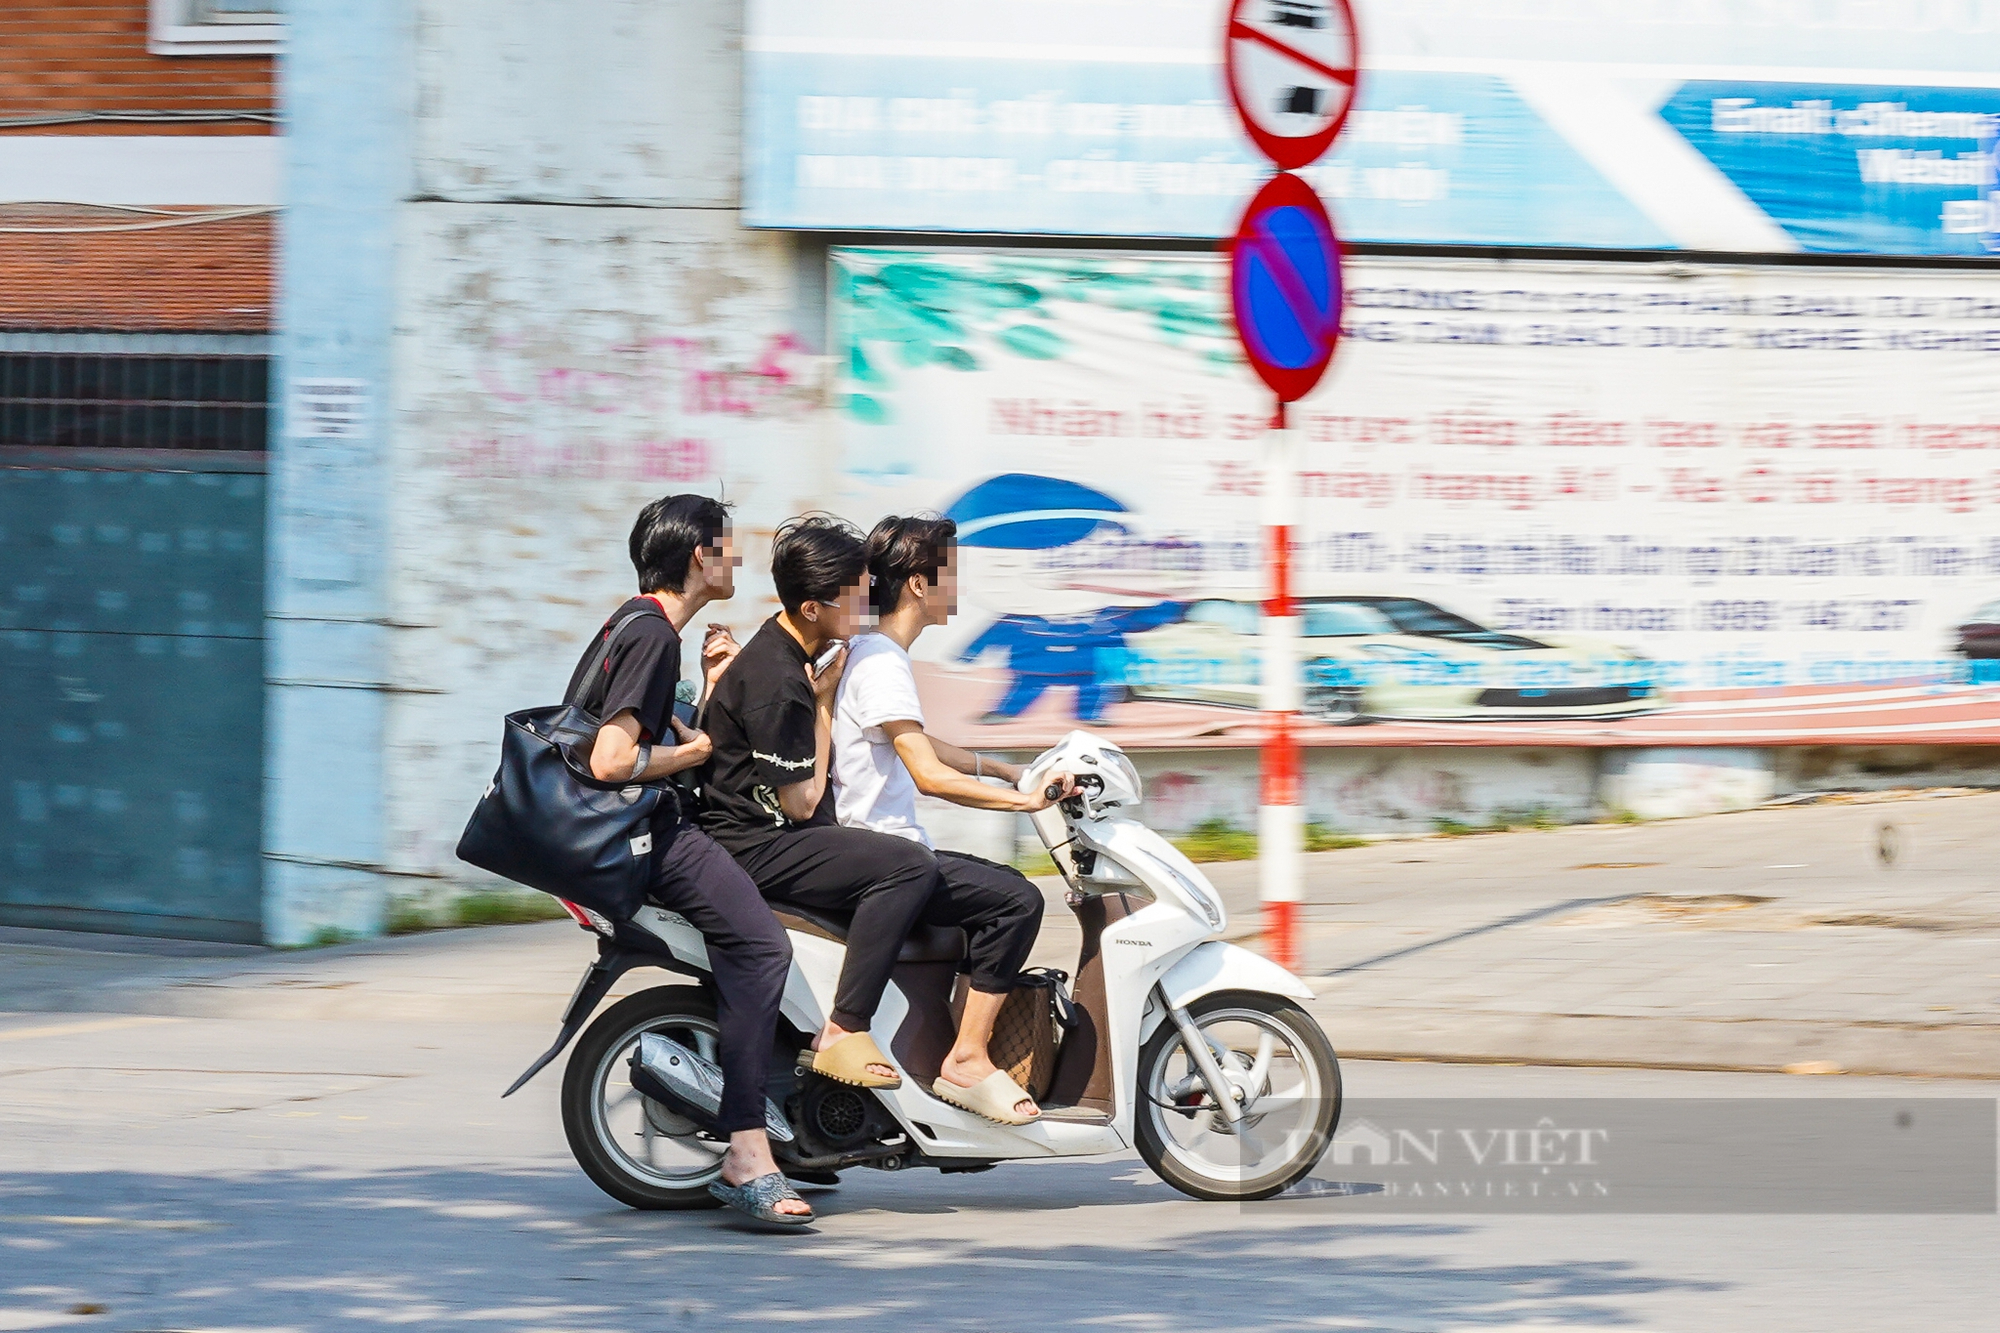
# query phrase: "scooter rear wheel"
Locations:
[[633, 1148], [1274, 1052]]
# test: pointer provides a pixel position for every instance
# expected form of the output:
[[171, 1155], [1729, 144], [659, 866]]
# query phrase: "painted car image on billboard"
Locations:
[[1391, 658]]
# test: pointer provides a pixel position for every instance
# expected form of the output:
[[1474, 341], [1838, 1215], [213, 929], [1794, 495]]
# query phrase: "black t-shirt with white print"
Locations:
[[759, 718]]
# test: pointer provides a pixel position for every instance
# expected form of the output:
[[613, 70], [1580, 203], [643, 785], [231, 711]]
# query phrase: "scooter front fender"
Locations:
[[1215, 966]]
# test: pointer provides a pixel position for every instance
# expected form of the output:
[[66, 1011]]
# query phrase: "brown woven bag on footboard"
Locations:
[[1028, 1032]]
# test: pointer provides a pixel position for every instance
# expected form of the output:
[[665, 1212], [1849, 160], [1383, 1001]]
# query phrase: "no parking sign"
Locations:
[[1292, 67], [1284, 285]]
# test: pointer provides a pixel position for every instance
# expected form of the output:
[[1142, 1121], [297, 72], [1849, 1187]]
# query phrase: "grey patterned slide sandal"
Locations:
[[759, 1199]]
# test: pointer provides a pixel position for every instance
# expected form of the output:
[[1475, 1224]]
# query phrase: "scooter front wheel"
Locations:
[[633, 1148], [1285, 1077]]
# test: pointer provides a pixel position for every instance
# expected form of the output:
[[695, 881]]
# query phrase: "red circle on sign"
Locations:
[[1255, 98], [1254, 248]]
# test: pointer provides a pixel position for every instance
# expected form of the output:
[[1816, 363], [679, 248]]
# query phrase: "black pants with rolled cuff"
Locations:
[[1000, 911], [748, 953], [885, 881]]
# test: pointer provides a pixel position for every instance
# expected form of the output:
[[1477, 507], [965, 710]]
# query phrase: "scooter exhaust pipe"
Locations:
[[669, 1072]]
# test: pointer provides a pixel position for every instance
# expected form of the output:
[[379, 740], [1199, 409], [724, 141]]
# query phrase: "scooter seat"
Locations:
[[926, 944]]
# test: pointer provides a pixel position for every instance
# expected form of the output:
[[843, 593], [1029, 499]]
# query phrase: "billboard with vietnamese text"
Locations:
[[1544, 503], [1731, 126]]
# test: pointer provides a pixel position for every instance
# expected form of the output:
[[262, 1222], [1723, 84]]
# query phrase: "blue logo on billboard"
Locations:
[[1018, 511]]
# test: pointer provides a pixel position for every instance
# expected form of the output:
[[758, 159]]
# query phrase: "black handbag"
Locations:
[[545, 822]]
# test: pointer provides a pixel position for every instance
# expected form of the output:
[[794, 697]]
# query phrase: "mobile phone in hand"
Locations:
[[826, 656]]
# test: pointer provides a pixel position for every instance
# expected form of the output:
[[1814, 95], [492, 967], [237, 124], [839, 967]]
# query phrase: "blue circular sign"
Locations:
[[1284, 280]]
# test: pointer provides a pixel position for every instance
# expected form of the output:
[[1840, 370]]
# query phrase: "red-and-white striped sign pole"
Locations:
[[1281, 800], [1292, 72]]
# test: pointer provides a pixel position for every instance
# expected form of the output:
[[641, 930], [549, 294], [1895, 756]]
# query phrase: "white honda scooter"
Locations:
[[1192, 1050]]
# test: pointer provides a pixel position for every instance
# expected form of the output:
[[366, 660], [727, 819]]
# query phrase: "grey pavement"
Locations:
[[1770, 939], [184, 1173], [214, 1137], [1767, 940]]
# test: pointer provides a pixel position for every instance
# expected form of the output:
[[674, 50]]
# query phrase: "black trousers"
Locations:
[[999, 909], [747, 952], [882, 879]]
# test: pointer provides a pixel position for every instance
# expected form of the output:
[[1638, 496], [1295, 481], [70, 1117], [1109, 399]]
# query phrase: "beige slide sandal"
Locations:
[[847, 1061], [993, 1097]]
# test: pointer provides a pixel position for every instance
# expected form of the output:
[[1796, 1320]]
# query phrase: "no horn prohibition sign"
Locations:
[[1284, 282], [1291, 69]]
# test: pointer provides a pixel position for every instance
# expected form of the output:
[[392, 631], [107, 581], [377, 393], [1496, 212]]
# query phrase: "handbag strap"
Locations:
[[603, 652], [1052, 978]]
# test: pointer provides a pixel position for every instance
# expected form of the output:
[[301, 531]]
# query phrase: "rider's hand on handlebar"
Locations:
[[1054, 787]]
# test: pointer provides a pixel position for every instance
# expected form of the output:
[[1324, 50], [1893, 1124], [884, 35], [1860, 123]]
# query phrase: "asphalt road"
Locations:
[[184, 1173]]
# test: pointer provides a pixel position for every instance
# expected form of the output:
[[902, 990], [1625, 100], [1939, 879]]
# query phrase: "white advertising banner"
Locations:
[[1547, 503]]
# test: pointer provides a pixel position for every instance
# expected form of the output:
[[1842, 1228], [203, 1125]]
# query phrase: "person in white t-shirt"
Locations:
[[882, 758]]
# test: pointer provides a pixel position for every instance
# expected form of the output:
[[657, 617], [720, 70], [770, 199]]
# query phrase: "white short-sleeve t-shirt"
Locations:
[[871, 788]]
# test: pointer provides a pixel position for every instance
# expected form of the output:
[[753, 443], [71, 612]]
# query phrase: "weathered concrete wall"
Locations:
[[1885, 767], [561, 366], [1675, 782], [1366, 793], [516, 226], [582, 326], [591, 101], [1377, 792]]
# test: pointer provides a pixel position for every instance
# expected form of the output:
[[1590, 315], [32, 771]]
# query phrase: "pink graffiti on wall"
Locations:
[[1388, 790], [586, 457], [1182, 800], [654, 376]]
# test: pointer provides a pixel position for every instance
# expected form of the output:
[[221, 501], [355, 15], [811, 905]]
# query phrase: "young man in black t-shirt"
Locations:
[[681, 547], [766, 796]]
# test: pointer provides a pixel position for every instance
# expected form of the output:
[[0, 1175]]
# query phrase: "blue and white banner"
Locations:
[[1713, 125]]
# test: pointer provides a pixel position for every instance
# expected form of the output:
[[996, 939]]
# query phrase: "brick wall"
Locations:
[[80, 268], [212, 277], [57, 58]]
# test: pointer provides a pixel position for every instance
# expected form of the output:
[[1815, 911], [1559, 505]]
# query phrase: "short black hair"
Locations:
[[814, 557], [901, 547], [666, 535]]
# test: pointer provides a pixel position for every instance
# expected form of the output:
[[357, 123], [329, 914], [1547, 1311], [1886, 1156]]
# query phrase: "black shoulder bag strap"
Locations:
[[603, 652]]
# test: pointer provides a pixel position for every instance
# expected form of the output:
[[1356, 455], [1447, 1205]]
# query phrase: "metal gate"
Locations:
[[131, 688]]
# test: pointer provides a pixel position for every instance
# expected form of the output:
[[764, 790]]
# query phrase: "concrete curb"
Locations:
[[1943, 1050], [333, 1006], [1956, 1050], [307, 1002]]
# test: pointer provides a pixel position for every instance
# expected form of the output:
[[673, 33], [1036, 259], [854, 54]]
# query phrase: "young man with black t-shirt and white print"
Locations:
[[682, 549], [765, 794], [883, 757]]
